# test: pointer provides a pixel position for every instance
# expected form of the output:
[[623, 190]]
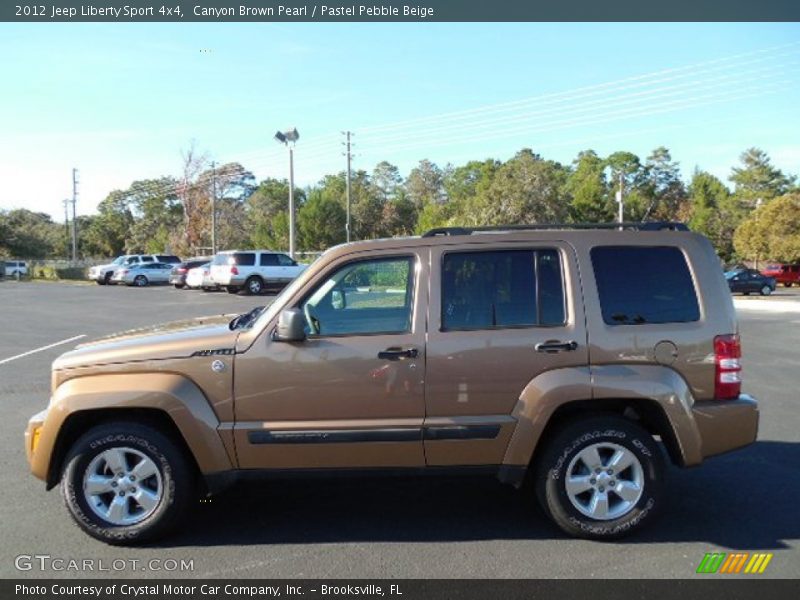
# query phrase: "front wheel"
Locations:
[[179, 286], [600, 478], [766, 290], [126, 483]]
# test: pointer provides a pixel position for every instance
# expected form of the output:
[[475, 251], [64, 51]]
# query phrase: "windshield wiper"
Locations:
[[245, 319]]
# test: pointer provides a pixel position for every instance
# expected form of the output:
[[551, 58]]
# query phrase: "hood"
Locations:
[[178, 339]]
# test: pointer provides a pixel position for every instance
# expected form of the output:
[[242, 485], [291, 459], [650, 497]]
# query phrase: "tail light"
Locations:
[[728, 375], [181, 269], [234, 270]]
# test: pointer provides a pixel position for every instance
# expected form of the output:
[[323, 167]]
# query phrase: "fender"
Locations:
[[173, 394], [551, 390]]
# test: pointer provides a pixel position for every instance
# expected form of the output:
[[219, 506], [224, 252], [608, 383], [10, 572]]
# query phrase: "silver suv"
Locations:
[[102, 274]]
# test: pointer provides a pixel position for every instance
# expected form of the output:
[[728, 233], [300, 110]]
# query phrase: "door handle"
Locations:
[[552, 346], [398, 353]]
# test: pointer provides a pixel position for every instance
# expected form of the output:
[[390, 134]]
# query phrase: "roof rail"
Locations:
[[631, 226]]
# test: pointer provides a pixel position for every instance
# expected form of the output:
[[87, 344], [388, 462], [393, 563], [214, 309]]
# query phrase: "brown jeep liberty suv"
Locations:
[[569, 361]]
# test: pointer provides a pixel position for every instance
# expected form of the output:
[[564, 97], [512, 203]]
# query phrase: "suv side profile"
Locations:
[[253, 270], [530, 354]]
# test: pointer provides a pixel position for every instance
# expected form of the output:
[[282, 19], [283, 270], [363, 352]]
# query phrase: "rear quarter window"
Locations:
[[638, 285], [244, 259]]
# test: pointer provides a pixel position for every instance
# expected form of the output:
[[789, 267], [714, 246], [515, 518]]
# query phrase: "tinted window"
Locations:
[[285, 261], [640, 285], [482, 290], [168, 258], [244, 259], [363, 297], [195, 263], [269, 260], [148, 259]]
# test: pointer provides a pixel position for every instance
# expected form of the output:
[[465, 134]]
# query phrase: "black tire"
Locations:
[[232, 289], [561, 452], [766, 290], [101, 281], [254, 285], [179, 286], [787, 284], [140, 281], [177, 482]]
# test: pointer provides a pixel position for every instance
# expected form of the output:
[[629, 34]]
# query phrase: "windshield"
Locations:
[[119, 260], [731, 274]]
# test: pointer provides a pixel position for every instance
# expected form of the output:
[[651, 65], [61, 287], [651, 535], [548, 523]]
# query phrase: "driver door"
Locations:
[[351, 394]]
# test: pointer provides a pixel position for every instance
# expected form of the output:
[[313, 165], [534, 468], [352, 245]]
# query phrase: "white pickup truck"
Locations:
[[253, 270]]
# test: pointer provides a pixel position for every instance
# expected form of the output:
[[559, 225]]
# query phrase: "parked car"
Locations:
[[750, 281], [181, 270], [253, 270], [200, 278], [457, 351], [103, 274], [788, 275], [16, 268], [143, 274]]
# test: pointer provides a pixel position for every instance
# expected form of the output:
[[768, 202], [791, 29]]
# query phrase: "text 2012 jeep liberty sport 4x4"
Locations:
[[562, 358]]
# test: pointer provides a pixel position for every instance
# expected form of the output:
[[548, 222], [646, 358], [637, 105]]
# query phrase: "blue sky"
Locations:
[[120, 101]]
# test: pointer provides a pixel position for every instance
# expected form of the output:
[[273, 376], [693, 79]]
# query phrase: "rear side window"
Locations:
[[244, 259], [510, 288], [639, 285], [167, 258], [147, 259]]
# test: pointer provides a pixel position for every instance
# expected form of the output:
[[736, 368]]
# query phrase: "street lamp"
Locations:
[[289, 139]]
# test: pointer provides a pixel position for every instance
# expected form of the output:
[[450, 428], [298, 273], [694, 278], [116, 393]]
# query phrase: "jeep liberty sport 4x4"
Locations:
[[570, 360]]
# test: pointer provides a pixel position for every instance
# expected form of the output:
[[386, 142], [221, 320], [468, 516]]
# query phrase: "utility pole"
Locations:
[[620, 201], [214, 208], [349, 156], [74, 216], [66, 225]]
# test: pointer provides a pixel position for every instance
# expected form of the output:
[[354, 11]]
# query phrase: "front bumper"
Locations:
[[33, 434], [726, 425]]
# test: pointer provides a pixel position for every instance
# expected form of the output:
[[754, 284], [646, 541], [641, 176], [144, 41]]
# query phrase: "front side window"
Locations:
[[363, 298], [639, 285], [269, 260], [508, 288], [285, 261]]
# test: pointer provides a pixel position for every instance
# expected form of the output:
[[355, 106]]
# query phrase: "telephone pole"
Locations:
[[66, 225], [349, 156], [74, 219], [214, 208]]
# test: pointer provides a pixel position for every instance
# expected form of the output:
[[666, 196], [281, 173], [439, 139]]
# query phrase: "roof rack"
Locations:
[[631, 226]]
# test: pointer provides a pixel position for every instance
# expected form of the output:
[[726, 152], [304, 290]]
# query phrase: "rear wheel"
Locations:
[[766, 290], [254, 285], [126, 483], [787, 284], [600, 478]]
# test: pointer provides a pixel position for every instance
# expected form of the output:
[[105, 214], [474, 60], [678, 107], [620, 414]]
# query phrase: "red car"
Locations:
[[785, 274]]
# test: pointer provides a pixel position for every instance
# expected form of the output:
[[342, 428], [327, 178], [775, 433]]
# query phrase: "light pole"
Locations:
[[289, 139]]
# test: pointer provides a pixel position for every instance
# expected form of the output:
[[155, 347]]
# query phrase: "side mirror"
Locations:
[[291, 326], [337, 300]]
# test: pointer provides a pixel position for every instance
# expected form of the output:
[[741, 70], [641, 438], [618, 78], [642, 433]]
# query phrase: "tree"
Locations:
[[321, 220], [425, 184], [627, 166], [714, 212], [194, 200], [757, 178], [588, 188], [526, 189], [666, 190], [108, 232], [158, 216], [386, 180], [267, 211], [28, 234], [772, 231]]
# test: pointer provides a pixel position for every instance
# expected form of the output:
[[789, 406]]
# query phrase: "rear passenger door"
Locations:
[[498, 318]]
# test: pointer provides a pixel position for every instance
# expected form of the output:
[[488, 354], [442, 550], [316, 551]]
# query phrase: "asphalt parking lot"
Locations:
[[744, 501]]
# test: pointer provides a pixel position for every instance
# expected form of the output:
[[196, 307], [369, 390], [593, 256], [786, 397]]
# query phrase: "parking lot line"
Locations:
[[35, 350]]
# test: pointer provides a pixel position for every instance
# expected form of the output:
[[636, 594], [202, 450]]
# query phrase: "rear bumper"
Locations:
[[726, 425]]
